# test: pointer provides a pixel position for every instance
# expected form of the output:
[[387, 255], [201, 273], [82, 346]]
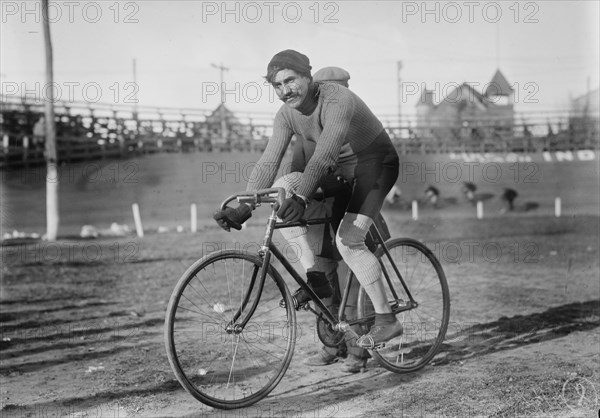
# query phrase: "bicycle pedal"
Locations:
[[379, 346], [300, 298], [307, 307], [297, 306]]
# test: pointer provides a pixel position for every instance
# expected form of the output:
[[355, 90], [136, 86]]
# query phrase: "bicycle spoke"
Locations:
[[264, 351], [233, 360], [203, 313], [227, 279], [209, 303]]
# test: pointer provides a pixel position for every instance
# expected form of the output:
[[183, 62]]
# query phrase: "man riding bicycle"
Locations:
[[334, 207], [349, 143]]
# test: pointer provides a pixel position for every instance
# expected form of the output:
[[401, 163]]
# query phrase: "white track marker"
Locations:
[[194, 218], [415, 210], [557, 207], [479, 209], [138, 220]]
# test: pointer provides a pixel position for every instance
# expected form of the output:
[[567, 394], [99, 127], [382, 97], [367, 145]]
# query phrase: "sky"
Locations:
[[548, 50]]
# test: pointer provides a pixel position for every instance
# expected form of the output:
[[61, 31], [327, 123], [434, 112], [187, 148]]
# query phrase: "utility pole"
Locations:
[[588, 93], [586, 119], [52, 218], [222, 69], [135, 89], [497, 46], [398, 70]]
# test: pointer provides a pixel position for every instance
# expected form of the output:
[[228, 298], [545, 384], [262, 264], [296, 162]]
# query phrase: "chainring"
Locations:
[[328, 336]]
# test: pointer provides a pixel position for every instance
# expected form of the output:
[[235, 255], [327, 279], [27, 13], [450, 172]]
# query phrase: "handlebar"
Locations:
[[257, 197]]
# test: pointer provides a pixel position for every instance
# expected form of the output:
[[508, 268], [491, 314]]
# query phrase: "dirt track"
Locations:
[[82, 329]]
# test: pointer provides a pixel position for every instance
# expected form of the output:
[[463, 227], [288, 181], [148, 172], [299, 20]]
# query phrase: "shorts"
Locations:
[[375, 172]]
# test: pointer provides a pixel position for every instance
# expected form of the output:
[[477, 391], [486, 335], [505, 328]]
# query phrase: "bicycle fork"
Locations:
[[265, 255]]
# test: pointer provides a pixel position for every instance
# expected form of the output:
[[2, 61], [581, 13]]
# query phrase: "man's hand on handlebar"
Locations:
[[292, 209], [233, 217]]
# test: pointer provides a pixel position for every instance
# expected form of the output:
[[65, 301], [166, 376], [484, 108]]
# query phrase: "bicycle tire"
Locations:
[[426, 324], [201, 351]]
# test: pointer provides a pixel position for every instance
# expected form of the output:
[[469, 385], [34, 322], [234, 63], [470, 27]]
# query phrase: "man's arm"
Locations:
[[264, 173], [336, 124]]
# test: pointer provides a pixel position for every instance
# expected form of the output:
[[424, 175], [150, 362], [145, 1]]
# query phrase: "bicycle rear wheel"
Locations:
[[425, 323], [215, 360]]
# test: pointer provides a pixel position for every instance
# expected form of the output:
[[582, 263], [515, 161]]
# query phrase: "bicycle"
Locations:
[[230, 341]]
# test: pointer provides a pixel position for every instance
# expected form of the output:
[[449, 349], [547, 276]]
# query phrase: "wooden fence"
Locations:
[[86, 132]]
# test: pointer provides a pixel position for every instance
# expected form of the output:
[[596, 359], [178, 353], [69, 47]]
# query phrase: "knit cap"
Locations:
[[291, 60]]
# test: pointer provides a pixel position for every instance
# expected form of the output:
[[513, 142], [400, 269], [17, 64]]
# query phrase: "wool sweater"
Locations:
[[338, 121]]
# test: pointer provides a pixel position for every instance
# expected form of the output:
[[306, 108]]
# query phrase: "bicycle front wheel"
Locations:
[[225, 351], [426, 320]]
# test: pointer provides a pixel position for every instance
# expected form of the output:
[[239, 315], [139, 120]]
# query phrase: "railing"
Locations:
[[557, 134], [97, 131]]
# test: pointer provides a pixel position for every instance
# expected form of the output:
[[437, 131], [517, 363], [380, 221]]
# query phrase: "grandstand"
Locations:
[[88, 131]]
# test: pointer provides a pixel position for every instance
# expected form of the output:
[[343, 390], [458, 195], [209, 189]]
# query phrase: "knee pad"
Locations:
[[352, 233], [293, 232], [351, 244]]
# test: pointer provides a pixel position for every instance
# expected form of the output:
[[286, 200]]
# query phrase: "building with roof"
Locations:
[[466, 113], [584, 120], [225, 131], [586, 105]]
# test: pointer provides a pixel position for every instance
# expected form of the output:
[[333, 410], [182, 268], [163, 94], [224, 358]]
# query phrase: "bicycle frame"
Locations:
[[268, 249]]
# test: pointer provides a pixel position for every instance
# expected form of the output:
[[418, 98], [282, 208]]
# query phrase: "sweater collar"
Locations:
[[311, 101]]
